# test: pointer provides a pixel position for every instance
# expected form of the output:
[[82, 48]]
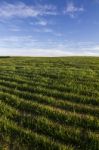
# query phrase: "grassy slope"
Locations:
[[49, 103]]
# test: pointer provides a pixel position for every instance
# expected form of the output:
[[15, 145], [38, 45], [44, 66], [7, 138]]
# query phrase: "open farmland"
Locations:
[[49, 103]]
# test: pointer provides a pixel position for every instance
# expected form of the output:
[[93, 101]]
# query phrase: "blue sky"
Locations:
[[49, 27]]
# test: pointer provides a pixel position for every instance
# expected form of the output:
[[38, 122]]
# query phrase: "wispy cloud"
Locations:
[[72, 10], [48, 30], [96, 48], [44, 30], [34, 52], [40, 22], [45, 52], [28, 46], [18, 42], [20, 9]]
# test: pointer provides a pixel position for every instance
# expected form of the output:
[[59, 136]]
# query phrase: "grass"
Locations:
[[49, 103]]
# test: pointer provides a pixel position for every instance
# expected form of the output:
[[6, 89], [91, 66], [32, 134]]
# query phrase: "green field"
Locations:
[[49, 103]]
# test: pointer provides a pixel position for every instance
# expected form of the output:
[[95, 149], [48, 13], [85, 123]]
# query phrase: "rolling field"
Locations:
[[49, 103]]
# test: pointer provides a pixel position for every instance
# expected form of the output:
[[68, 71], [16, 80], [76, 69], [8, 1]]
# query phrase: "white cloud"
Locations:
[[45, 30], [48, 30], [33, 52], [29, 46], [8, 10], [44, 52], [96, 48], [72, 10], [42, 22], [18, 42]]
